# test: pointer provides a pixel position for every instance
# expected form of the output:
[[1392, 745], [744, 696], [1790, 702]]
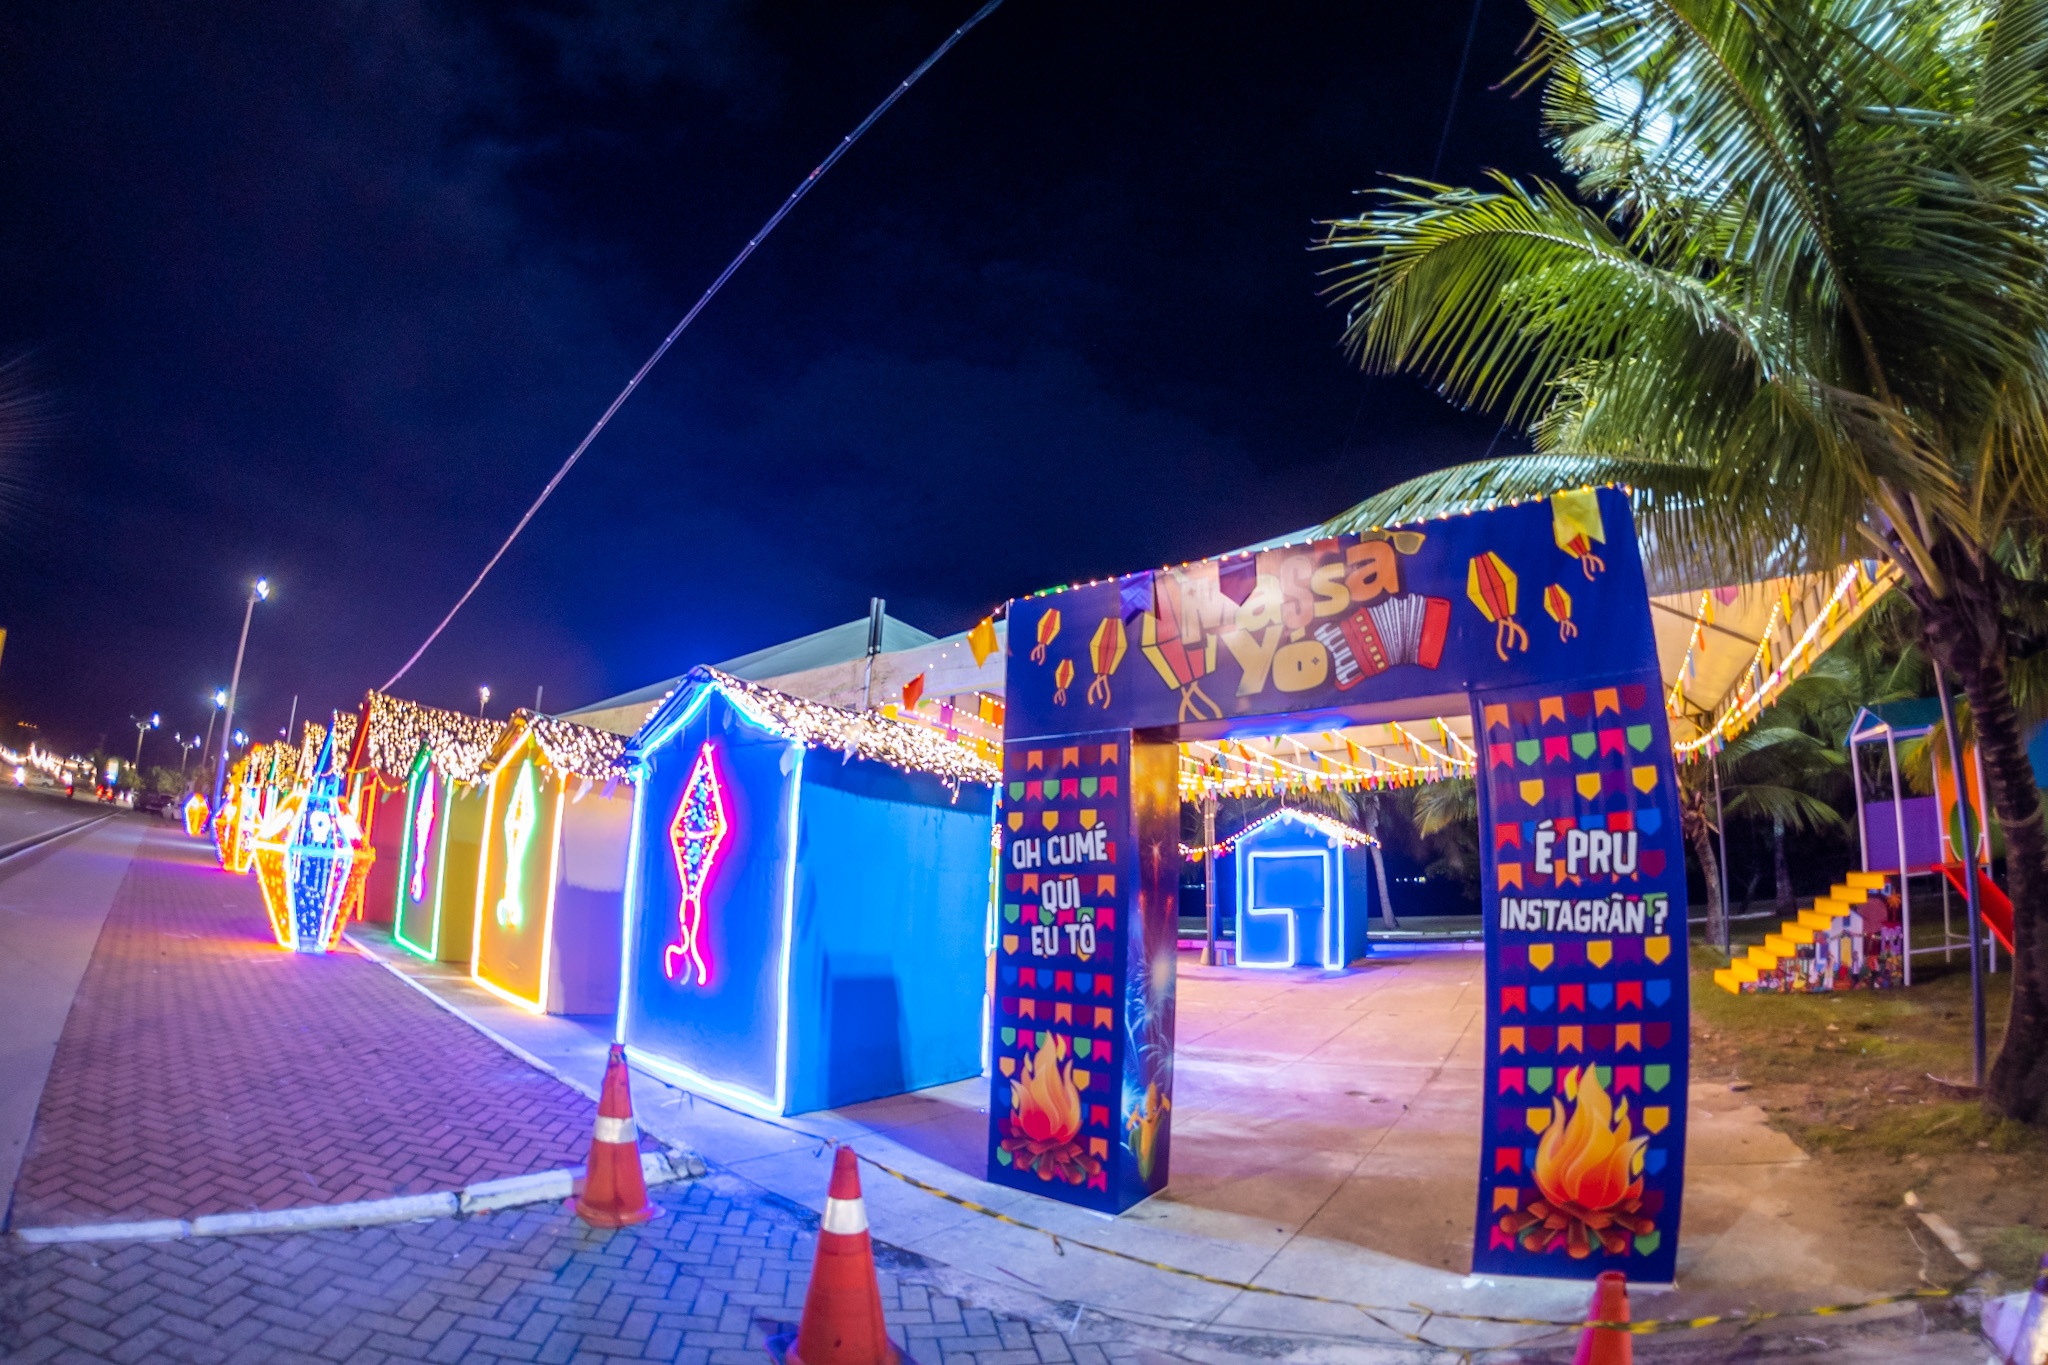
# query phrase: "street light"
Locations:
[[483, 694], [143, 727], [258, 592], [187, 743]]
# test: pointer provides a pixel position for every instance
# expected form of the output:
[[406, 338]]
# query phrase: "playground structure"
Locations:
[[1910, 836], [1846, 940]]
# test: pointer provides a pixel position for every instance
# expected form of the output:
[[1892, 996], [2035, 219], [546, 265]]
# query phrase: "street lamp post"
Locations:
[[142, 728], [186, 744], [259, 591], [220, 699], [483, 695]]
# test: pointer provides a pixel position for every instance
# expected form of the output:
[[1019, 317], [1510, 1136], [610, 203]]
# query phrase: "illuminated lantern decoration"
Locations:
[[1174, 650], [195, 815], [1105, 652], [1061, 677], [1491, 585], [694, 838], [1048, 631], [981, 641], [1576, 524], [311, 861], [1557, 603]]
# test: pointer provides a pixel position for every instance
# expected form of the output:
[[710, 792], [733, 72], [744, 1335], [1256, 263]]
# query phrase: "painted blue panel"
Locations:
[[888, 980], [725, 1030]]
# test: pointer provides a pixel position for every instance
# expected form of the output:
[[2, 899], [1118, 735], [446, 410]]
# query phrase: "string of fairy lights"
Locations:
[[397, 728], [870, 735], [1348, 836], [1751, 694]]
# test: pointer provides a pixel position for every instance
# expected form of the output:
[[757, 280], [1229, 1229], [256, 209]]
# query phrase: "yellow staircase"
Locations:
[[1843, 897]]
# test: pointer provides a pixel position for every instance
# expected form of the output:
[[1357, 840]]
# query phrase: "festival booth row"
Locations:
[[429, 843], [550, 867], [808, 906]]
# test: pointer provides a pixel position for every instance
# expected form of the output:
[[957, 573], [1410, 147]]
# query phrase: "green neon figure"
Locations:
[[519, 819]]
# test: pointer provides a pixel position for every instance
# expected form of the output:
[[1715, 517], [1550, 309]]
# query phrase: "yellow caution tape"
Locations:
[[1644, 1327]]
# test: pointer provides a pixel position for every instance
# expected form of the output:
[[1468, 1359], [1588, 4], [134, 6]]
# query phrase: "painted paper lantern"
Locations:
[[1061, 677], [1492, 586], [1576, 525], [1557, 604], [1048, 631], [311, 860], [1105, 652], [1180, 658]]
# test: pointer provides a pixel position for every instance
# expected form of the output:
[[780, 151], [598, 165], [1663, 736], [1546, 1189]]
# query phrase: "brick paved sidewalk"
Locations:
[[202, 1070], [706, 1283]]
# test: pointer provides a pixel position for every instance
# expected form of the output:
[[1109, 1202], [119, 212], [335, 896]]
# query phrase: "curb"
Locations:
[[487, 1196]]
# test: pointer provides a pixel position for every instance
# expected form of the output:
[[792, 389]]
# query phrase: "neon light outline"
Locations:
[[476, 974], [406, 873], [675, 1072], [1334, 910], [706, 841], [427, 805], [521, 816]]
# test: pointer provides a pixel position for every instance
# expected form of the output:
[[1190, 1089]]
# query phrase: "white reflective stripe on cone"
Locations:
[[844, 1216], [616, 1130]]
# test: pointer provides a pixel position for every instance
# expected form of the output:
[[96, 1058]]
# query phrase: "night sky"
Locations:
[[326, 291]]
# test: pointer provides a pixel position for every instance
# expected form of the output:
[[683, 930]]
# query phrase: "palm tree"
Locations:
[[1795, 294]]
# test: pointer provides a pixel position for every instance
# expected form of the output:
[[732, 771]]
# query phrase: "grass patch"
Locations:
[[2014, 1252]]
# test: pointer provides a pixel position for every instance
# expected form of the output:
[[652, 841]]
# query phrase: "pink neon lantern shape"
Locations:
[[694, 837]]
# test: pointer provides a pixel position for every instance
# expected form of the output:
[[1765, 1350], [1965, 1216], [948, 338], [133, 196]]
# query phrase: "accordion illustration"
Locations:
[[1405, 629]]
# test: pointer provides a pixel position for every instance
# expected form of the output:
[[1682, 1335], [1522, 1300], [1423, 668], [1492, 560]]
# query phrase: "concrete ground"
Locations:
[[1325, 1143], [1325, 1147]]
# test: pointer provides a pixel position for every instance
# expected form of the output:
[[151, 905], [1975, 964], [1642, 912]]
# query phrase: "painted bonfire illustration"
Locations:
[[1590, 1172], [1043, 1132]]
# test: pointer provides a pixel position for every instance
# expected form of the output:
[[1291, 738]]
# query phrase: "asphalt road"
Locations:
[[53, 899], [33, 810]]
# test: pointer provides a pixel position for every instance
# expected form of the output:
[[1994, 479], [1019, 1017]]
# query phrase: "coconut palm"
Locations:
[[1794, 292]]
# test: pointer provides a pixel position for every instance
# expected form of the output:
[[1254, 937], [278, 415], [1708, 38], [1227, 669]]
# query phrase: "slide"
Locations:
[[1991, 902]]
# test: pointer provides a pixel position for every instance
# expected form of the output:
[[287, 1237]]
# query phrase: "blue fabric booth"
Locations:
[[836, 946]]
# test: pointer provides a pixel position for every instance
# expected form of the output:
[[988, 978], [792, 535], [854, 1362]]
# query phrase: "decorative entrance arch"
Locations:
[[1535, 619]]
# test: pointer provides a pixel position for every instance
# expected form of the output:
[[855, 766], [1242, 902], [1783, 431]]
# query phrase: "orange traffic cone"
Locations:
[[1607, 1345], [614, 1190], [842, 1322]]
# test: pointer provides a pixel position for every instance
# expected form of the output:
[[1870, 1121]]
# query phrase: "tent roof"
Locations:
[[818, 725], [833, 645]]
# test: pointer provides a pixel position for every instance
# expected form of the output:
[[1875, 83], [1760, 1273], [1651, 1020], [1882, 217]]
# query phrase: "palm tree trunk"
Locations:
[[1964, 632], [1710, 868], [1785, 899], [1699, 832], [1369, 819]]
